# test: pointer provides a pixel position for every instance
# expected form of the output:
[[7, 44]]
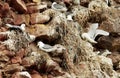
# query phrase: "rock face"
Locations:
[[25, 23], [110, 43], [116, 61], [37, 18], [19, 5]]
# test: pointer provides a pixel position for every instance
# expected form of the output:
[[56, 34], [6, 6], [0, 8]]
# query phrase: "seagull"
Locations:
[[87, 37], [13, 27], [22, 27], [24, 74], [58, 7], [49, 48], [30, 38], [93, 33]]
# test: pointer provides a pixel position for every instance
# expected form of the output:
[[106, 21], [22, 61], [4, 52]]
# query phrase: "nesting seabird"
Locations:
[[93, 32], [24, 74], [58, 7], [14, 27], [22, 27], [16, 35], [49, 48]]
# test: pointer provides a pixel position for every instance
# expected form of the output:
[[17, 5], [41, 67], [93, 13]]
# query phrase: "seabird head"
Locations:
[[22, 27], [107, 1], [58, 7], [32, 37], [87, 37], [84, 35], [40, 43], [25, 73]]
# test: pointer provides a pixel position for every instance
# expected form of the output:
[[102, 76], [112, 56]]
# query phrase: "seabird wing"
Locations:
[[25, 74], [22, 27], [47, 46], [100, 32], [92, 30], [13, 26], [58, 6]]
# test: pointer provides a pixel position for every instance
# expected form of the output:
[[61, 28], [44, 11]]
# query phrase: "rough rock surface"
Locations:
[[20, 52]]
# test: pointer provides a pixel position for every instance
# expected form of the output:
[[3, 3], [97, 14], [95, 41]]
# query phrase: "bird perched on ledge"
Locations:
[[21, 27], [58, 7], [48, 48], [22, 74], [16, 35], [93, 33]]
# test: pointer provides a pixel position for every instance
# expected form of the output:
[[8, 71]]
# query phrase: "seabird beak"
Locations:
[[38, 44]]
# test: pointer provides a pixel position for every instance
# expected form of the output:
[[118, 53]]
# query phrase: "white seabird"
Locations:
[[58, 7], [22, 27], [48, 48], [25, 73], [93, 32], [31, 37]]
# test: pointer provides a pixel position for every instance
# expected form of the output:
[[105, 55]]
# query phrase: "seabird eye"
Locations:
[[58, 46]]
